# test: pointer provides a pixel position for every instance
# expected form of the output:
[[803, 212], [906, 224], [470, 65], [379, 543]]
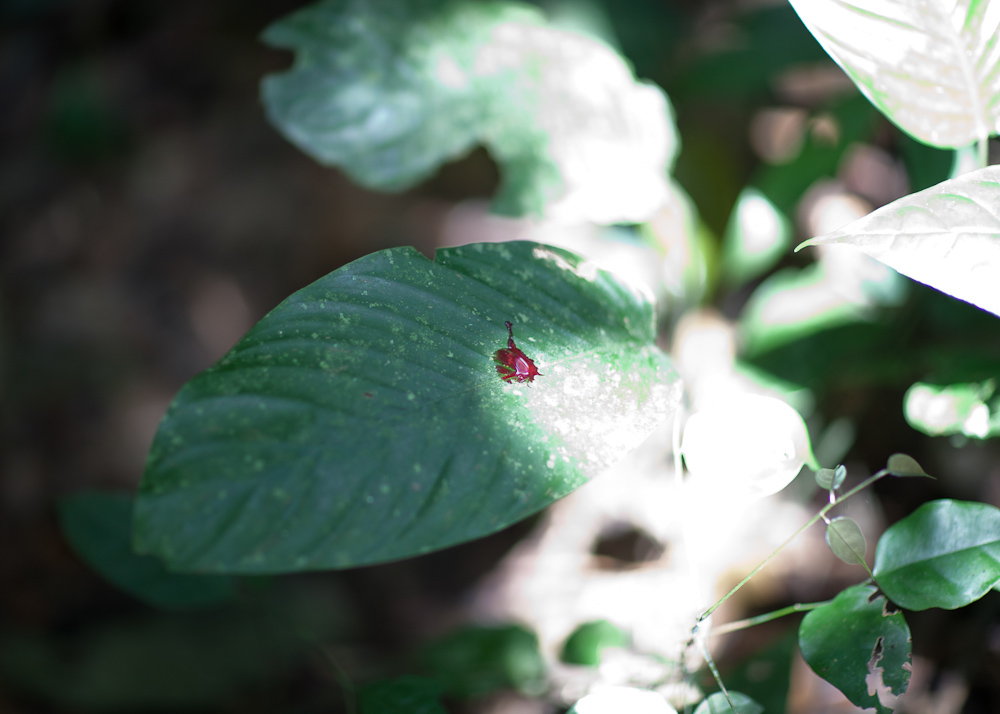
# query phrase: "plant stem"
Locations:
[[823, 511], [767, 617]]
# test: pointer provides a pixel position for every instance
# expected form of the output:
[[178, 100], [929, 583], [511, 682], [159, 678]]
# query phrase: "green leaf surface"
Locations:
[[904, 465], [932, 68], [364, 420], [945, 554], [478, 660], [406, 695], [859, 645], [587, 643], [947, 236], [718, 704], [388, 91], [845, 539], [99, 527], [831, 479]]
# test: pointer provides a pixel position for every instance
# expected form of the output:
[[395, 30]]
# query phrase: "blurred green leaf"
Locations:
[[99, 527], [406, 695], [766, 674], [718, 704], [845, 539], [389, 91], [363, 419], [929, 67], [947, 236], [478, 660], [971, 409], [945, 554], [587, 643], [757, 237], [858, 645]]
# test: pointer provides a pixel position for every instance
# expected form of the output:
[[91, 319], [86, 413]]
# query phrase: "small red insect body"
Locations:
[[513, 363]]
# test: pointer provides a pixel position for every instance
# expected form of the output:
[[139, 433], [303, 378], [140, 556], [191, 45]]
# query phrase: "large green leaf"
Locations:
[[945, 554], [947, 236], [859, 645], [99, 526], [389, 90], [363, 420], [932, 67]]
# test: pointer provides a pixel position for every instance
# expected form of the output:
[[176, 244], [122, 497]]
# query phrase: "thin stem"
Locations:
[[718, 677], [346, 686], [766, 617], [863, 485]]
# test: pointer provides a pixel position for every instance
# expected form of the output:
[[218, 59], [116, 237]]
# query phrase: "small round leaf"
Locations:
[[846, 540]]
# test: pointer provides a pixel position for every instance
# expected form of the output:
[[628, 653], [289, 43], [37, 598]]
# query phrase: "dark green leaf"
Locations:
[[718, 704], [388, 91], [99, 526], [363, 420], [945, 554], [588, 642], [479, 660], [406, 695], [859, 645]]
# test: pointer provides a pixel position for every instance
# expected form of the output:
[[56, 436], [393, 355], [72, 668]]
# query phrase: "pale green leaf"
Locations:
[[932, 67], [947, 236], [845, 539]]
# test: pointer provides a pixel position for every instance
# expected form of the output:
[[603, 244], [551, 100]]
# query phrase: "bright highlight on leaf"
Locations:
[[390, 91], [947, 236], [748, 445], [945, 554], [364, 420], [932, 67]]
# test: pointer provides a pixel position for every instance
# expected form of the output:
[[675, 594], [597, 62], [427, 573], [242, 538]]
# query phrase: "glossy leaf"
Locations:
[[947, 236], [845, 539], [718, 704], [389, 91], [99, 527], [363, 419], [406, 695], [945, 554], [933, 68], [860, 645]]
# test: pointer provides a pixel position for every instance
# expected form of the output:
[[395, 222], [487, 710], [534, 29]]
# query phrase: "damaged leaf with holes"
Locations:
[[363, 419], [860, 643]]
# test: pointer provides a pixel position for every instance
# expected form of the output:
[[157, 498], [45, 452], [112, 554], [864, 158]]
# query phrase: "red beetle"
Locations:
[[512, 363]]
